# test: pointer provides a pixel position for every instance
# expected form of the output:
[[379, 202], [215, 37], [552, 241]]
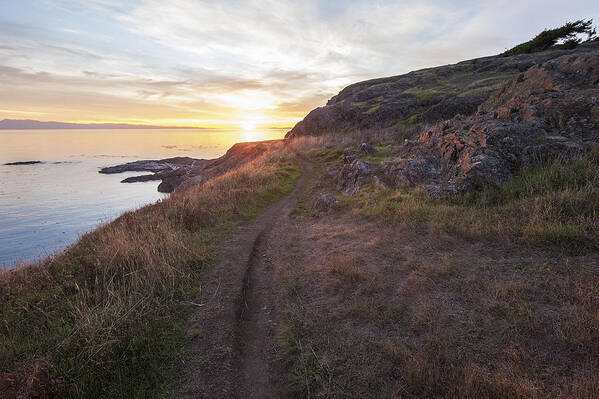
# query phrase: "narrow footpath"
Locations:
[[232, 348]]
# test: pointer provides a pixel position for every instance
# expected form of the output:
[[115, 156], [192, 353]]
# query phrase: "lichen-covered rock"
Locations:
[[410, 171], [353, 176], [550, 111], [450, 107], [324, 202]]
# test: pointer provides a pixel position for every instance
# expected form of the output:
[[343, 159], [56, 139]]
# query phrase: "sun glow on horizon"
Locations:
[[248, 125], [233, 65]]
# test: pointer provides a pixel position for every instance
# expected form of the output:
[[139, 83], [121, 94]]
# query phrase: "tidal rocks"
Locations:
[[182, 172], [150, 165], [172, 171], [22, 163]]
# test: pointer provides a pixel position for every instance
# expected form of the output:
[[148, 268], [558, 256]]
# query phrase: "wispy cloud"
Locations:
[[215, 62]]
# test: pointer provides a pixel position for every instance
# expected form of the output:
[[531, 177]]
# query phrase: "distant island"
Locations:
[[28, 124]]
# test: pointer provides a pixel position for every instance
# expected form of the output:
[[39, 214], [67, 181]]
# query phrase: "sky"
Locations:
[[229, 63]]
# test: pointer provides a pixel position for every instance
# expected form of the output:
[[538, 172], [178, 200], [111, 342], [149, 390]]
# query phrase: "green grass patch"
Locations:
[[325, 156], [409, 121], [555, 204], [373, 109]]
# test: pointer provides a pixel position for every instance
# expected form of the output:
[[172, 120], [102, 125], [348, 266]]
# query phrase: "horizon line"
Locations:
[[121, 125]]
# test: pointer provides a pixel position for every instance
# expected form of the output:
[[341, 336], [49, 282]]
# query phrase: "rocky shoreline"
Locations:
[[179, 172]]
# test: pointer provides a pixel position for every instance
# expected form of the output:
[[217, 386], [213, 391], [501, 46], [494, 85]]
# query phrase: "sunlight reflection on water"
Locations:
[[44, 207]]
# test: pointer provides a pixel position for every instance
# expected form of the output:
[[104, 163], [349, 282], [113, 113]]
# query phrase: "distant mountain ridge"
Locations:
[[29, 124]]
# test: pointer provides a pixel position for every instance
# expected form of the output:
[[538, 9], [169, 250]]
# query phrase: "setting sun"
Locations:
[[248, 126]]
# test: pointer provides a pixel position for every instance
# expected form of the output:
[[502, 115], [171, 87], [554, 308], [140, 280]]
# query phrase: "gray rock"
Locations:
[[367, 149], [353, 176], [450, 107], [324, 202], [348, 156]]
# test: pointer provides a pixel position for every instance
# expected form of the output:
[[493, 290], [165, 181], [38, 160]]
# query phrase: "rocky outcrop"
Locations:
[[429, 95], [450, 107], [551, 110], [171, 171], [548, 110], [368, 149], [181, 172]]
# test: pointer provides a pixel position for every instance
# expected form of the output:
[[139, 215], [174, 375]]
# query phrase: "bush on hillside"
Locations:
[[564, 37]]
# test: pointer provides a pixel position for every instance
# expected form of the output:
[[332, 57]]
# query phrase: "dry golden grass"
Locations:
[[310, 144], [108, 313], [416, 314], [494, 294], [347, 267]]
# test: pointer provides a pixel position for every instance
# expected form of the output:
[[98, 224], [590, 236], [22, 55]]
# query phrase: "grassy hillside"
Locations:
[[489, 294], [106, 317]]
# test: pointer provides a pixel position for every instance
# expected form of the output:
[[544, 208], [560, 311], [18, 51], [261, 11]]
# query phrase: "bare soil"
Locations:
[[232, 351]]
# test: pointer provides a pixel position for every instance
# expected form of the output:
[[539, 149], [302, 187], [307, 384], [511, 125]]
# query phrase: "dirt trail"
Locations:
[[232, 347]]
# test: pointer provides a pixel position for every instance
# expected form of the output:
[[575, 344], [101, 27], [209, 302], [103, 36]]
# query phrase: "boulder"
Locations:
[[324, 202], [353, 176], [367, 149]]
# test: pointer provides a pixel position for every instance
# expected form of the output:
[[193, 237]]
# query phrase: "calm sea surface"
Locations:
[[45, 207]]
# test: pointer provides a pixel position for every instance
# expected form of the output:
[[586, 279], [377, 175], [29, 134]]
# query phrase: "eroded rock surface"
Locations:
[[354, 175], [551, 110]]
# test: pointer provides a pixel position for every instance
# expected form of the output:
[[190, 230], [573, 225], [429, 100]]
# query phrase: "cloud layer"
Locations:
[[220, 63]]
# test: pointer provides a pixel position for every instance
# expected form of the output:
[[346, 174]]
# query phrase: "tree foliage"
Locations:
[[564, 37]]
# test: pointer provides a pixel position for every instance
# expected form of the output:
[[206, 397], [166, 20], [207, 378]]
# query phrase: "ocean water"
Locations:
[[45, 207]]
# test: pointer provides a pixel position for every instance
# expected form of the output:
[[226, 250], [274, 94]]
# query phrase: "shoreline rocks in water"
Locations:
[[22, 163], [182, 172]]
